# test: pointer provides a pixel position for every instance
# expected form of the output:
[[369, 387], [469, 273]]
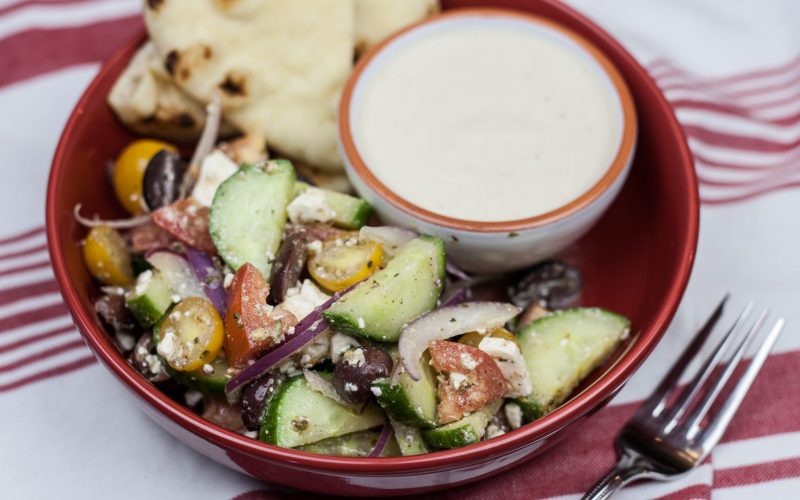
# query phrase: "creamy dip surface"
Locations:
[[486, 120]]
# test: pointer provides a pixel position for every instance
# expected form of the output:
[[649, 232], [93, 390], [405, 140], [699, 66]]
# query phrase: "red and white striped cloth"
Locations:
[[732, 72]]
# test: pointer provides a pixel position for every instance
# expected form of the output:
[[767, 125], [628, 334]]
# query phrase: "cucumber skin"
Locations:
[[533, 408], [358, 210], [212, 384], [462, 432], [144, 309], [271, 419], [395, 403], [347, 322], [228, 250]]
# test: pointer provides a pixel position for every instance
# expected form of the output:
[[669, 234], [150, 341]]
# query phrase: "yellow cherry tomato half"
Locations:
[[190, 335], [107, 258], [342, 263], [129, 171], [474, 338]]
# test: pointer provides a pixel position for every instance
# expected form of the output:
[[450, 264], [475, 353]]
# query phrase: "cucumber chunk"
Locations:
[[357, 444], [349, 212], [468, 430], [561, 349], [408, 287], [150, 298], [212, 383], [409, 439], [249, 212], [298, 415], [410, 402]]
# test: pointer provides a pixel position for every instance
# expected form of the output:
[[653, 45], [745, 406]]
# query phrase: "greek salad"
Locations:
[[280, 310]]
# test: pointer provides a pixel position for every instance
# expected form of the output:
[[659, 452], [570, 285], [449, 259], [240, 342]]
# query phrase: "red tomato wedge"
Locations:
[[474, 379], [187, 221], [251, 325]]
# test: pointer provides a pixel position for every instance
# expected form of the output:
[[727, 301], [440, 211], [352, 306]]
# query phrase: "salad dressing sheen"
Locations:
[[487, 122]]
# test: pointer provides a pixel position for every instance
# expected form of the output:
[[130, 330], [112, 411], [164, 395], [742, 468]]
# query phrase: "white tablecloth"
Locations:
[[732, 71]]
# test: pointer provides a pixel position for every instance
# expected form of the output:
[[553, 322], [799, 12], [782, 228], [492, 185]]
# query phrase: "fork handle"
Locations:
[[624, 472]]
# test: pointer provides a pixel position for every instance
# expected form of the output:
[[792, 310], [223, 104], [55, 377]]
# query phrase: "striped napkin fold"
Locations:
[[742, 127]]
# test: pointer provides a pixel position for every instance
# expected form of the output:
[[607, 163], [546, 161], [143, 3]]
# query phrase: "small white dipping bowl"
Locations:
[[492, 246]]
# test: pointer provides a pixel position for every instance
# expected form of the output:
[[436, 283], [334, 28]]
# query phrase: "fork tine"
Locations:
[[693, 388], [719, 423], [696, 416], [654, 404]]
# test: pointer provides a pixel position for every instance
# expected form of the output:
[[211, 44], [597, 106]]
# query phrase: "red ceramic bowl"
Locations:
[[636, 261]]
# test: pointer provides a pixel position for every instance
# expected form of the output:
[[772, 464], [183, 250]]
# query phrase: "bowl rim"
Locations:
[[576, 407], [613, 173]]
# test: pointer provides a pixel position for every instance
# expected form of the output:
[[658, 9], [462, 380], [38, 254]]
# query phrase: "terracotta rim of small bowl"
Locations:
[[579, 405], [618, 165]]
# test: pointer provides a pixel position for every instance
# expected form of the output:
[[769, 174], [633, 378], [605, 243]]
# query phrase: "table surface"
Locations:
[[732, 73]]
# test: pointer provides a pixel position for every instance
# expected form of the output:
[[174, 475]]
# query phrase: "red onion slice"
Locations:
[[448, 322], [208, 137], [386, 433], [391, 238], [178, 272], [211, 278], [114, 224], [304, 332], [456, 271]]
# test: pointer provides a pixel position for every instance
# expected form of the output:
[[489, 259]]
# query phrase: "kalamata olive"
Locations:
[[223, 414], [112, 310], [552, 284], [163, 178], [288, 266], [256, 396], [356, 371], [144, 359]]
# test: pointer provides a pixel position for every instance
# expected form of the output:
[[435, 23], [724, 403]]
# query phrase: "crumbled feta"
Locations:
[[113, 290], [513, 415], [125, 341], [493, 431], [175, 298], [216, 167], [153, 363], [170, 346], [350, 387], [457, 380], [301, 300], [376, 391], [468, 361], [290, 368], [315, 246], [192, 397], [361, 323], [208, 369], [316, 350], [508, 357], [355, 357], [310, 206], [226, 283], [341, 343], [142, 282], [251, 434]]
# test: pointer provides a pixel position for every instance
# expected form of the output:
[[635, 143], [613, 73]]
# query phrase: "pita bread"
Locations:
[[146, 101], [377, 19], [280, 64]]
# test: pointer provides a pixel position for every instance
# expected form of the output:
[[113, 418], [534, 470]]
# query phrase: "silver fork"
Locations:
[[665, 439]]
